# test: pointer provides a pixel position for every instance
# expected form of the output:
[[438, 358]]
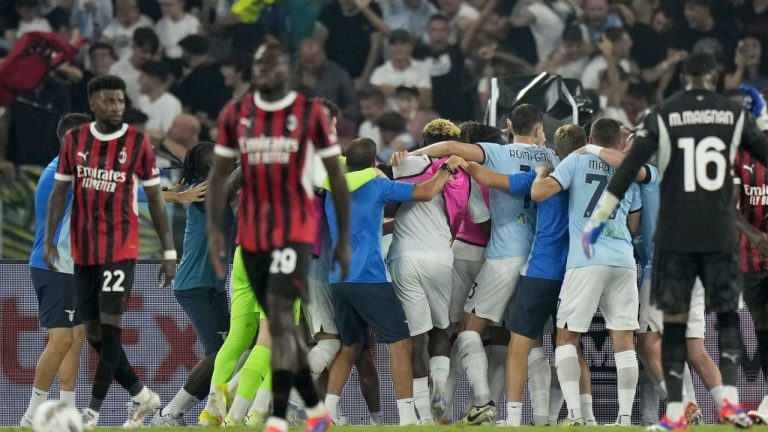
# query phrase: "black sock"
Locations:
[[282, 382], [109, 359], [199, 381], [124, 374], [729, 341], [762, 346], [306, 388], [673, 353]]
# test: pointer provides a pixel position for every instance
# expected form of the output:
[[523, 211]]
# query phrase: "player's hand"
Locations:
[[398, 157], [217, 251], [167, 272], [342, 256], [455, 162], [193, 194], [754, 100], [544, 170], [51, 256], [589, 237]]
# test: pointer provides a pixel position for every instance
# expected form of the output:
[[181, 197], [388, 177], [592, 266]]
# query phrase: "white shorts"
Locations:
[[464, 274], [321, 315], [424, 289], [612, 289], [493, 287], [652, 318]]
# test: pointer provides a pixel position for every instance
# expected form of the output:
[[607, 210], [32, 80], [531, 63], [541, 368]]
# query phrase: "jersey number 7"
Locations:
[[602, 183]]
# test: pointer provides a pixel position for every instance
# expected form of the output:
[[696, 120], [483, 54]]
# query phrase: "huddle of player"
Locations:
[[491, 241]]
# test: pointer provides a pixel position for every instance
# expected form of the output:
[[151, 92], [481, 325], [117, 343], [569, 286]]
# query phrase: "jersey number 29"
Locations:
[[696, 159]]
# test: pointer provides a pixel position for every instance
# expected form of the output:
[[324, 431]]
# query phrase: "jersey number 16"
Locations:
[[696, 159]]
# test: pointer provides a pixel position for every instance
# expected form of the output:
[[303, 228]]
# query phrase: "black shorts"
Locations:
[[534, 302], [56, 300], [360, 305], [675, 273], [208, 310], [103, 289], [281, 272], [756, 294]]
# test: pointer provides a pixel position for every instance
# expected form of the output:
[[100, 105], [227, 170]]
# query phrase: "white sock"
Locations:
[[262, 400], [180, 404], [627, 374], [497, 371], [675, 410], [763, 408], [649, 398], [539, 378], [37, 398], [316, 411], [438, 370], [514, 413], [68, 397], [732, 393], [233, 383], [239, 408], [454, 376], [422, 400], [718, 394], [321, 356], [475, 363], [407, 412], [585, 401], [294, 398], [690, 391], [332, 403], [143, 395], [556, 397], [662, 390], [277, 423], [569, 373], [376, 419]]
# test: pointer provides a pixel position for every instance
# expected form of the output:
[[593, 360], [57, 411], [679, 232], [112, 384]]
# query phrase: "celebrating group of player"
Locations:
[[491, 241]]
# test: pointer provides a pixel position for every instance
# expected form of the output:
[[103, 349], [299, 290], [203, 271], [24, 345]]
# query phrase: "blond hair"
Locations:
[[569, 138]]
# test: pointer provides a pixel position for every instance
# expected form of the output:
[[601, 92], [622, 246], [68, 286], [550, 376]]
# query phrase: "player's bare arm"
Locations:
[[633, 221], [341, 254], [216, 208], [544, 186], [613, 158], [468, 152], [53, 219], [487, 177], [431, 188], [160, 221]]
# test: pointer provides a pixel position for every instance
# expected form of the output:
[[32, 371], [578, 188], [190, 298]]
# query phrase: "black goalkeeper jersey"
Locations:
[[695, 135]]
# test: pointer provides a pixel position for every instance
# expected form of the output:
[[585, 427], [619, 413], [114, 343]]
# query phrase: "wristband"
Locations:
[[169, 255], [594, 149]]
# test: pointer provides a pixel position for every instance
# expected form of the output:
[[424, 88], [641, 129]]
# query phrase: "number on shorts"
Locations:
[[602, 183], [113, 281], [472, 290], [283, 261]]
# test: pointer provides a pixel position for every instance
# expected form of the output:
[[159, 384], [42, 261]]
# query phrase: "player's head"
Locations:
[[700, 72], [236, 69], [526, 120], [361, 154], [373, 103], [605, 132], [198, 162], [473, 132], [106, 96], [568, 138], [271, 68], [332, 110], [69, 122], [439, 130], [626, 134]]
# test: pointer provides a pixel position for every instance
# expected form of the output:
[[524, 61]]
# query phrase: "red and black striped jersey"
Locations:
[[105, 171], [275, 142], [753, 204]]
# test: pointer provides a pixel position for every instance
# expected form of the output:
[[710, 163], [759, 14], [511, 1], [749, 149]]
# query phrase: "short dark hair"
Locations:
[[102, 46], [105, 82], [400, 36], [473, 132], [333, 110], [606, 132], [133, 116], [438, 17], [70, 121], [614, 33], [524, 118], [26, 3], [699, 64], [391, 121], [361, 154], [704, 3], [573, 33], [374, 94], [409, 91], [146, 38], [243, 64], [157, 70]]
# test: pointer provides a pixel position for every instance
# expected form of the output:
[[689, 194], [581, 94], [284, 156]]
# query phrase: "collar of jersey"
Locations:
[[277, 105], [108, 137], [355, 179]]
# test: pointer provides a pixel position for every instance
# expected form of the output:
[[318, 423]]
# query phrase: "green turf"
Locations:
[[453, 428]]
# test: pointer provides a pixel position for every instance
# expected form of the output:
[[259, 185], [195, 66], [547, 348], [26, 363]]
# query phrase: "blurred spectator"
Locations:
[[453, 88], [373, 104], [127, 19], [614, 46], [548, 19], [651, 41], [155, 101], [571, 58], [144, 48], [748, 65], [136, 119], [510, 30], [302, 15], [403, 70], [182, 135], [30, 20], [598, 18], [90, 17], [317, 76], [101, 57], [237, 75], [352, 36], [201, 91], [460, 14], [59, 18], [175, 25], [409, 15], [753, 15], [394, 135], [700, 24], [407, 99]]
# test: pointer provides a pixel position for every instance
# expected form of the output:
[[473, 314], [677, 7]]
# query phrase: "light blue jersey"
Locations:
[[513, 216], [649, 193], [61, 238], [585, 177]]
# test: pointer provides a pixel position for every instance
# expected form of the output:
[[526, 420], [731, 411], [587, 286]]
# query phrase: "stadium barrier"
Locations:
[[163, 347]]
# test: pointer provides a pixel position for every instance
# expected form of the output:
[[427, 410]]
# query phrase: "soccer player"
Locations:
[[512, 233], [104, 161], [696, 134], [275, 132], [55, 291], [608, 279]]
